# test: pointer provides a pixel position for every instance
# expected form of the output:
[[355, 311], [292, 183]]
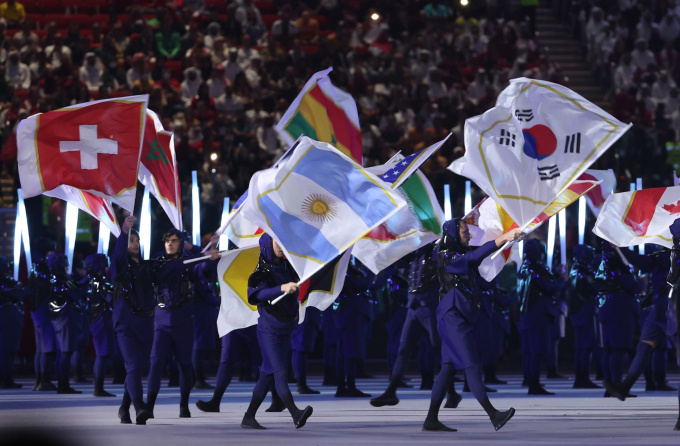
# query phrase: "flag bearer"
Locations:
[[133, 310], [273, 277], [456, 315], [174, 320]]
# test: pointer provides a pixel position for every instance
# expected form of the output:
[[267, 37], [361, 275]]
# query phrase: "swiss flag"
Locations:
[[93, 147]]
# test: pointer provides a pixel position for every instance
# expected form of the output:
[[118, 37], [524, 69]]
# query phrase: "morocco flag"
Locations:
[[639, 217], [158, 168], [93, 147], [324, 113]]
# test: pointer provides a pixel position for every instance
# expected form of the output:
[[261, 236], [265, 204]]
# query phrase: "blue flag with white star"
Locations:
[[402, 170]]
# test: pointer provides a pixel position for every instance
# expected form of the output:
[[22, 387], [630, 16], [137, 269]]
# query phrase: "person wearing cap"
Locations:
[[168, 42], [174, 328], [11, 322], [456, 314], [17, 73]]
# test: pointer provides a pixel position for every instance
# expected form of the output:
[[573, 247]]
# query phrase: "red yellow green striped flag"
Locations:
[[324, 113]]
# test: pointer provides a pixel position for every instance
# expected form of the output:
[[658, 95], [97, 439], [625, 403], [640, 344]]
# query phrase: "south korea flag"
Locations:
[[537, 140]]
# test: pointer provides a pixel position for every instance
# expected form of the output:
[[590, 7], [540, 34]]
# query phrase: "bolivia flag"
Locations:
[[324, 113]]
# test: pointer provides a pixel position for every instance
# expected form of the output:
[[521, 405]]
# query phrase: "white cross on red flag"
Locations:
[[92, 147]]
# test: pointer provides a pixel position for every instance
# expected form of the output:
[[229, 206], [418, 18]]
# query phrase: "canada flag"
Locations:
[[639, 217], [92, 147]]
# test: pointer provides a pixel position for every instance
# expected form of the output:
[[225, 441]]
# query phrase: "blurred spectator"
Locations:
[[241, 13], [308, 28], [192, 80], [92, 72], [13, 12], [17, 73], [231, 67], [284, 29], [168, 42]]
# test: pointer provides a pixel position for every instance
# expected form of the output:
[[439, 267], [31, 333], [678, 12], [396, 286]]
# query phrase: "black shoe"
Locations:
[[665, 388], [500, 418], [356, 393], [124, 415], [341, 392], [453, 401], [36, 385], [385, 400], [300, 418], [607, 394], [184, 412], [305, 390], [142, 416], [402, 385], [46, 386], [618, 390], [677, 425], [251, 423], [208, 406], [277, 406], [538, 390], [202, 385], [102, 393], [436, 426], [493, 380], [65, 389]]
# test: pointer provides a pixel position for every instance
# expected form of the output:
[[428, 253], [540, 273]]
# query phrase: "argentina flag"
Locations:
[[317, 203]]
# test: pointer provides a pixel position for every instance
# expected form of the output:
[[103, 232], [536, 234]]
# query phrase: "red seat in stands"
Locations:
[[59, 19], [266, 6], [269, 20], [73, 5]]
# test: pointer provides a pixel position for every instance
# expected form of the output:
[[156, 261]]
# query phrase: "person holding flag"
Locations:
[[174, 328], [456, 315], [272, 277]]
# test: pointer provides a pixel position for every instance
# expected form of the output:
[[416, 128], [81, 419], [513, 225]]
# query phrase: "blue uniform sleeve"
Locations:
[[120, 256], [263, 294], [471, 259]]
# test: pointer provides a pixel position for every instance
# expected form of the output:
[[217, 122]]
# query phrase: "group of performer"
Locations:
[[165, 309]]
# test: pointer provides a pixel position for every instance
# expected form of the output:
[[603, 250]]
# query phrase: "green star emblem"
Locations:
[[156, 151]]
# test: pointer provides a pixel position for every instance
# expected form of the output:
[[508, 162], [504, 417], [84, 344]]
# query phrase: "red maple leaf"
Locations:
[[672, 208]]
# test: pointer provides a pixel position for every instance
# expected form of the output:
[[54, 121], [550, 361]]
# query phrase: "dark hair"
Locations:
[[170, 232], [135, 233]]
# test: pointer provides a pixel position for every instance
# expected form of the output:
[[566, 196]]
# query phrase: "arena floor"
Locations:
[[571, 417]]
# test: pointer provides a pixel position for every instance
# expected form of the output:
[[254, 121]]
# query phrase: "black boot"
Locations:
[[535, 388], [386, 399], [500, 418], [208, 406], [46, 385], [303, 388], [184, 412], [141, 416], [277, 403], [353, 392], [249, 422], [301, 416], [661, 384], [99, 388], [677, 425], [341, 391], [64, 388], [490, 376], [37, 384], [436, 426], [124, 415], [453, 399], [618, 390]]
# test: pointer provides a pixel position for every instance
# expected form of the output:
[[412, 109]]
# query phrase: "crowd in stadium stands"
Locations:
[[221, 73], [632, 47]]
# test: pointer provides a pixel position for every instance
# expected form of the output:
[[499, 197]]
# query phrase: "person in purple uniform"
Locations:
[[174, 328], [456, 315], [133, 310], [99, 295], [273, 277], [11, 322]]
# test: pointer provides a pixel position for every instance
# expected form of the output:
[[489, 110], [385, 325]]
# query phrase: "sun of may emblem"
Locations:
[[319, 208]]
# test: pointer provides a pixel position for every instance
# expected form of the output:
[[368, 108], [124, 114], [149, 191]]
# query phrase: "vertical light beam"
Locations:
[[145, 226], [71, 232], [468, 198], [447, 202], [581, 220], [224, 240], [562, 220], [104, 238], [551, 241], [195, 210]]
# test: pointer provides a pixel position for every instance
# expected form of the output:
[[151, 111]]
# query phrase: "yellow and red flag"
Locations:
[[324, 113]]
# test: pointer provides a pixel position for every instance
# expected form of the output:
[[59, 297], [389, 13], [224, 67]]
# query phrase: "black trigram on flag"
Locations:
[[548, 172], [573, 143], [507, 138], [524, 115]]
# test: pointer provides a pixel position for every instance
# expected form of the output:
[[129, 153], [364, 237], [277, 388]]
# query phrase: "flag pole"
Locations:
[[273, 302], [222, 254]]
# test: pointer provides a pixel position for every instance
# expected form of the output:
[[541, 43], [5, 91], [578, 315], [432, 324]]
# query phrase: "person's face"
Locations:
[[278, 252], [133, 247], [172, 245], [464, 234], [191, 75]]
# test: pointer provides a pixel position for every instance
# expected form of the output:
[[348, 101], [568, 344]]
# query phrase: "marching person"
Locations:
[[421, 318], [237, 345], [174, 328], [133, 310], [273, 277], [583, 305], [537, 290], [11, 323], [619, 311], [99, 294], [456, 315], [303, 340], [45, 340]]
